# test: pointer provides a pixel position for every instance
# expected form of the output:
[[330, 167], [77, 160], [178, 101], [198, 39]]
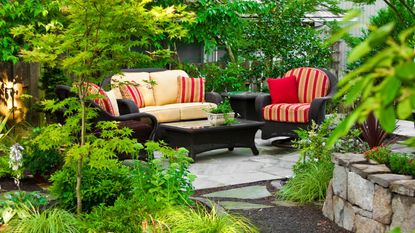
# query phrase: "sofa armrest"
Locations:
[[261, 101], [127, 106], [139, 116], [213, 97], [318, 109]]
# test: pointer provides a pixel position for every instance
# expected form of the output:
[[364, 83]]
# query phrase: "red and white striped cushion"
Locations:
[[312, 83], [295, 113], [104, 102], [132, 92], [191, 90]]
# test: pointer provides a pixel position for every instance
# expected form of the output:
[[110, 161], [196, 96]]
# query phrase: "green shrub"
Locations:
[[166, 180], [402, 163], [380, 154], [40, 162], [200, 220], [309, 183], [125, 216], [51, 220], [99, 186], [5, 169]]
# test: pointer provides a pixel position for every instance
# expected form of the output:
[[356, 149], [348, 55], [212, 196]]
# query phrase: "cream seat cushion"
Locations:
[[195, 110], [179, 112], [164, 113], [166, 87], [139, 77]]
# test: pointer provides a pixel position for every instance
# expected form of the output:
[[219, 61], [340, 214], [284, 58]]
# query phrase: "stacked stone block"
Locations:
[[366, 197]]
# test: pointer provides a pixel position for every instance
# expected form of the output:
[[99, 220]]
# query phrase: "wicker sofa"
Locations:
[[161, 98]]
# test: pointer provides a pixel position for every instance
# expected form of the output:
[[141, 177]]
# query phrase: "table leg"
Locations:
[[254, 150], [230, 148]]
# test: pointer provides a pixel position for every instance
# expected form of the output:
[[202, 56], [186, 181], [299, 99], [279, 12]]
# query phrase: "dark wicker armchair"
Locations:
[[315, 88], [144, 125]]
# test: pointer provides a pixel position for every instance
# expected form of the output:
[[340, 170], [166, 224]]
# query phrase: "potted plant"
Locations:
[[221, 114]]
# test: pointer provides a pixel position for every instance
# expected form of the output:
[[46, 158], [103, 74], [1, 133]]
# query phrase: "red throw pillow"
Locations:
[[131, 92], [283, 90], [104, 102], [191, 90]]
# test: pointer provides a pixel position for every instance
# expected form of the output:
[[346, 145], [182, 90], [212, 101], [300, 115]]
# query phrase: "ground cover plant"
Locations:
[[314, 169], [401, 163]]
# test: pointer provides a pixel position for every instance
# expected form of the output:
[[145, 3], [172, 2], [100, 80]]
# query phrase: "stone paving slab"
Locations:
[[235, 205], [250, 192], [218, 168]]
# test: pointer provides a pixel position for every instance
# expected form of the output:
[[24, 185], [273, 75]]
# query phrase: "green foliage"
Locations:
[[200, 220], [164, 181], [33, 13], [99, 185], [53, 220], [379, 154], [384, 84], [223, 107], [40, 162], [231, 77], [12, 202], [5, 169], [311, 142], [278, 40], [351, 143], [309, 183], [157, 184], [402, 163], [50, 78], [126, 215]]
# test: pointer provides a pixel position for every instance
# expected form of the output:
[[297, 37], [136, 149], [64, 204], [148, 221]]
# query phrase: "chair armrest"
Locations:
[[140, 116], [318, 109], [127, 106], [213, 97], [261, 101]]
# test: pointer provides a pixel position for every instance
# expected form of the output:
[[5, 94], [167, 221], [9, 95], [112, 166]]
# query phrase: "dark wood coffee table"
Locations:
[[200, 136]]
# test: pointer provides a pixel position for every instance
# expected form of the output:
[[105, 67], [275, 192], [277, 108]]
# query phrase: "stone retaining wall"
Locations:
[[365, 196]]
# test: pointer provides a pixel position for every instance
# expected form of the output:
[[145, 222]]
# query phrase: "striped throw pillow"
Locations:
[[104, 102], [191, 90], [131, 92]]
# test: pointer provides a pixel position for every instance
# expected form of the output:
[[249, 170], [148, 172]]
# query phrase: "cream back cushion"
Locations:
[[166, 87], [138, 77]]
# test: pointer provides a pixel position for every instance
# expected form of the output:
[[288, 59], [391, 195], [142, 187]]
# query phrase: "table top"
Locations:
[[204, 125]]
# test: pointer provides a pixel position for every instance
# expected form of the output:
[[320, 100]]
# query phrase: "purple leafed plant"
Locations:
[[372, 132]]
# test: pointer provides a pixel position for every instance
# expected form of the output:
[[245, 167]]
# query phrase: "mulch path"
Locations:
[[298, 219]]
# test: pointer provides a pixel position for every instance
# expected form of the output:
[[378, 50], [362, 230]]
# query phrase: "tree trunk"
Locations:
[[79, 165], [230, 53]]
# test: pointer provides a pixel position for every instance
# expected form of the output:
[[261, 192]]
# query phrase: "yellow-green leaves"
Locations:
[[376, 37], [384, 84]]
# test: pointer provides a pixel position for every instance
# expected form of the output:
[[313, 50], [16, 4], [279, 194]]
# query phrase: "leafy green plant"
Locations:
[[164, 181], [231, 77], [95, 42], [402, 163], [383, 84], [31, 220], [99, 186], [351, 143], [12, 202], [223, 107], [5, 169], [200, 220], [40, 162], [379, 154], [309, 183], [126, 215]]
